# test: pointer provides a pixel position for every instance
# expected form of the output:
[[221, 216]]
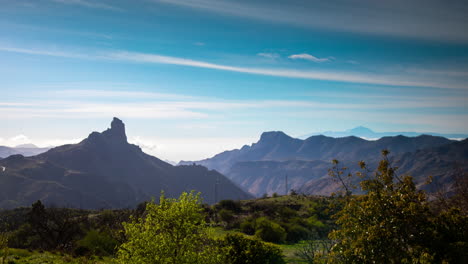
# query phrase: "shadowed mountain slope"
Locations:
[[442, 163], [104, 171]]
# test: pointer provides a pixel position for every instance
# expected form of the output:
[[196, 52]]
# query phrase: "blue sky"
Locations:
[[191, 78]]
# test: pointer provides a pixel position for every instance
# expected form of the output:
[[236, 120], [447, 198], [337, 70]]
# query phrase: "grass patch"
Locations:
[[22, 256]]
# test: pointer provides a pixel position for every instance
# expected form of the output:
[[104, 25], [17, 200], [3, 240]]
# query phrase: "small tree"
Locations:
[[392, 223], [173, 231]]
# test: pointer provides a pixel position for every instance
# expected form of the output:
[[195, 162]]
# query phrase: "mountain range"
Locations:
[[367, 133], [263, 167], [25, 150], [104, 171]]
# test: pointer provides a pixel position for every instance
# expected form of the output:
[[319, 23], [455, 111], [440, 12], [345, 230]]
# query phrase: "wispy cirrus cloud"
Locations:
[[45, 52], [89, 4], [339, 76], [268, 55], [305, 56], [323, 75], [71, 104]]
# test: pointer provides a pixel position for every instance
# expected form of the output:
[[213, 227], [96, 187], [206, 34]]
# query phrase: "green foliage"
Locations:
[[22, 256], [98, 243], [296, 232], [314, 251], [248, 226], [300, 216], [238, 249], [269, 231], [51, 228], [173, 231], [231, 205], [226, 215], [392, 223], [3, 247]]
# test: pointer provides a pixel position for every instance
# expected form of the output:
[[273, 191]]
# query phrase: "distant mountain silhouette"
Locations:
[[262, 167], [25, 150], [367, 133], [278, 146], [104, 171]]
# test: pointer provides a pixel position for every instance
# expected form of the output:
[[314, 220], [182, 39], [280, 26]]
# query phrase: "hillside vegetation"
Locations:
[[295, 228]]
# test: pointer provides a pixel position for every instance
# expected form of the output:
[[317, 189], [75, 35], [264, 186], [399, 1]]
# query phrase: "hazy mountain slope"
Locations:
[[260, 177], [25, 150], [104, 171]]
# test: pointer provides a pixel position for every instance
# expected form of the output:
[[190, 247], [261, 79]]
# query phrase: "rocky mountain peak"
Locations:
[[116, 132], [272, 136]]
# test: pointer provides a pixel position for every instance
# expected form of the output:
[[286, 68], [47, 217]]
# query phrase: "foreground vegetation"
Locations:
[[392, 222]]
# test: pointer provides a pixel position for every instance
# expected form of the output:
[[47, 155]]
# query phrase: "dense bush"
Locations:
[[231, 205], [98, 243], [269, 231], [226, 216], [296, 233], [238, 249], [248, 226]]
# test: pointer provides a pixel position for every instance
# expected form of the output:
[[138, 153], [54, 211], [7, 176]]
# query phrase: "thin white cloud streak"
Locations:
[[27, 28], [119, 94], [349, 77], [453, 72], [288, 73], [426, 19], [82, 110], [305, 56], [44, 52], [99, 106], [268, 55], [89, 4]]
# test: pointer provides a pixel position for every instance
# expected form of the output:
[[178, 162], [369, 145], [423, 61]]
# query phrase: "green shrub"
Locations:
[[269, 231], [226, 216], [248, 226], [231, 205], [98, 243], [238, 249], [297, 233], [286, 213]]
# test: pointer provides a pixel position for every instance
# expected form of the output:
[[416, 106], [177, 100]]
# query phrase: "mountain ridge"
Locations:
[[368, 133], [104, 171], [276, 145], [262, 167]]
